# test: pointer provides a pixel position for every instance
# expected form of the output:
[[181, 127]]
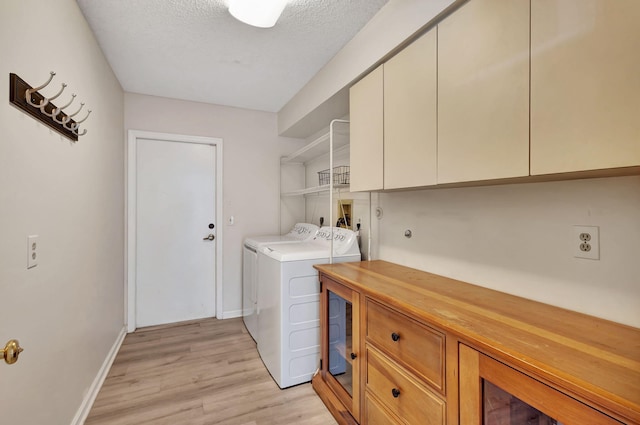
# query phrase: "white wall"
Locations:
[[292, 208], [251, 170], [519, 239], [67, 312]]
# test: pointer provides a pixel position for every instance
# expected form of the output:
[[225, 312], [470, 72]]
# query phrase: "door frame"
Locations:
[[130, 220]]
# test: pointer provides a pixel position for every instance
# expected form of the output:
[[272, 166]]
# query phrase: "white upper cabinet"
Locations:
[[585, 85], [366, 146], [504, 89], [410, 115], [483, 91]]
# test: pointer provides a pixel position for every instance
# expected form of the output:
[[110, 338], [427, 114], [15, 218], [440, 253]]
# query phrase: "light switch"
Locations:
[[32, 251]]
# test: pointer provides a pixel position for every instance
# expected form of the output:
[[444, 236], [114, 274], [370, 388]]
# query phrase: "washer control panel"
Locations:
[[342, 238], [303, 231]]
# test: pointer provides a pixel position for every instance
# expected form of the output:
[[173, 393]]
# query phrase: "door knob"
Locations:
[[11, 351], [209, 238]]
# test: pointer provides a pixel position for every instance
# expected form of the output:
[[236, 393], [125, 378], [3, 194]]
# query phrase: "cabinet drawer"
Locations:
[[401, 393], [416, 346], [375, 414]]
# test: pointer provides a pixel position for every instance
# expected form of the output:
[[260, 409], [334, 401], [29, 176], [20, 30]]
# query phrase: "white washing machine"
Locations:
[[289, 302], [299, 233]]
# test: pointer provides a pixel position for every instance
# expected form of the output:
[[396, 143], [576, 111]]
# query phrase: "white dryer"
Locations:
[[289, 302], [299, 233]]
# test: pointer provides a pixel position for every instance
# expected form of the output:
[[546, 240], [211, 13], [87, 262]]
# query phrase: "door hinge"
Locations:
[[321, 287], [320, 364]]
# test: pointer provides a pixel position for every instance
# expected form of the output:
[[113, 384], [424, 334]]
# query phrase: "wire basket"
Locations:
[[340, 175]]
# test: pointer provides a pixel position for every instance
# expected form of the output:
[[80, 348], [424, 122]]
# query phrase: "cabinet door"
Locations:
[[483, 92], [366, 112], [492, 393], [341, 343], [585, 85], [410, 119]]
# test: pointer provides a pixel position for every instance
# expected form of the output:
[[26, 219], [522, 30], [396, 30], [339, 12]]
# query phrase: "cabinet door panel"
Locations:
[[475, 368], [410, 123], [483, 92], [585, 85], [366, 146]]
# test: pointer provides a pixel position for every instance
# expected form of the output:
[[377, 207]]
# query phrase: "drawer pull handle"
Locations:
[[395, 393], [353, 356], [395, 336]]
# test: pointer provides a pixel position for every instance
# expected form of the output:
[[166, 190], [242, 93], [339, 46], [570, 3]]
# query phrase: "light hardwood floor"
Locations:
[[199, 373]]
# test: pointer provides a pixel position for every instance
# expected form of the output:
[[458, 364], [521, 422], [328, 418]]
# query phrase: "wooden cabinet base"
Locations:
[[569, 366], [335, 406]]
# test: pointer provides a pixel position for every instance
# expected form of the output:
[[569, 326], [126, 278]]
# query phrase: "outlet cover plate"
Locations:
[[586, 242], [32, 251]]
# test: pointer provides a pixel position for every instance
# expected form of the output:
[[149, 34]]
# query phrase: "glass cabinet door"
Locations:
[[340, 313], [503, 408], [341, 343], [493, 393]]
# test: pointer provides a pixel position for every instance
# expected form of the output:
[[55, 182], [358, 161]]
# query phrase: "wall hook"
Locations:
[[78, 111], [57, 111], [28, 92], [49, 99], [76, 124]]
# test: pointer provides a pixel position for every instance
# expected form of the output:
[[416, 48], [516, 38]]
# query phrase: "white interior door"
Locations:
[[175, 257]]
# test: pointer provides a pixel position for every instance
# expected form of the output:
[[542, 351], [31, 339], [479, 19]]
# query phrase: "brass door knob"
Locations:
[[11, 351]]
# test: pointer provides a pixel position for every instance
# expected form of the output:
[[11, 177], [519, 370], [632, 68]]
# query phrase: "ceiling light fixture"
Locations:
[[259, 13]]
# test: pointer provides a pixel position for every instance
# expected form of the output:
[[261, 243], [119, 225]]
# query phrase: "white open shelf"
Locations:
[[311, 164], [312, 190], [315, 149]]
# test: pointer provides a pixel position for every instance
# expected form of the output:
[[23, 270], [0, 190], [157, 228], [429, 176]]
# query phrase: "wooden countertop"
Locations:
[[595, 360]]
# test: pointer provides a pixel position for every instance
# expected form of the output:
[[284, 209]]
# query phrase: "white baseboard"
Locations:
[[90, 397], [231, 314]]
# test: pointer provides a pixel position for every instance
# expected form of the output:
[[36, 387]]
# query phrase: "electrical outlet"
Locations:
[[32, 251], [586, 242]]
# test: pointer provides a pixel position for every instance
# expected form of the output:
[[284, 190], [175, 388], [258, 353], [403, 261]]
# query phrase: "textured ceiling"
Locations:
[[195, 50]]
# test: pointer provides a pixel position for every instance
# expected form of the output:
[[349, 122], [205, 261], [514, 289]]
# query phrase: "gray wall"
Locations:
[[67, 312]]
